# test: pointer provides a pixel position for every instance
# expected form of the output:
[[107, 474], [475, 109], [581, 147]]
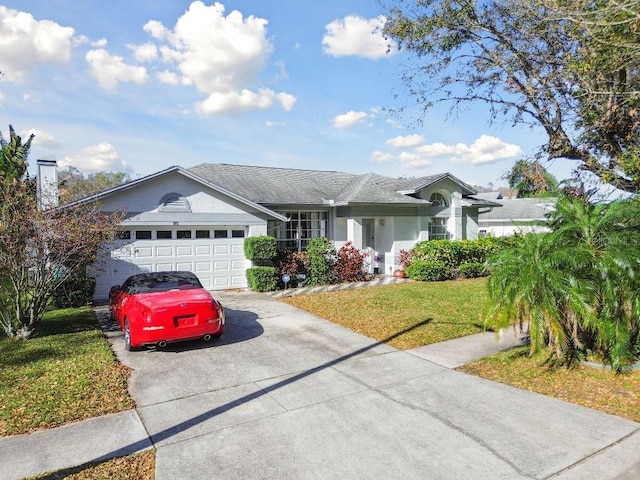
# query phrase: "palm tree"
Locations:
[[577, 286], [610, 236], [530, 284]]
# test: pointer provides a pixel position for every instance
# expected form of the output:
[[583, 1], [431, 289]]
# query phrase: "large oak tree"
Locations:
[[570, 68]]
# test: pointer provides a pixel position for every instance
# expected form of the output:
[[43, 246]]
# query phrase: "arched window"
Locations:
[[174, 202], [438, 200]]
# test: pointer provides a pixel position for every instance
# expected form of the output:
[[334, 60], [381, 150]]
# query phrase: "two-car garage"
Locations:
[[215, 254]]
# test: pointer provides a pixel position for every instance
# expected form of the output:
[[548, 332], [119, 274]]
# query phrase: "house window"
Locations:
[[163, 234], [438, 229], [237, 233], [203, 234], [123, 235], [143, 234], [302, 227], [220, 234], [438, 200], [183, 234]]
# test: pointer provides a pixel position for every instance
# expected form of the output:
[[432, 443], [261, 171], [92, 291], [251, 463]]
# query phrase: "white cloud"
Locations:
[[238, 102], [42, 139], [272, 124], [349, 119], [101, 43], [282, 71], [222, 56], [147, 52], [413, 160], [108, 69], [486, 149], [168, 77], [356, 36], [406, 141], [25, 43], [156, 29], [382, 157], [287, 101], [96, 158]]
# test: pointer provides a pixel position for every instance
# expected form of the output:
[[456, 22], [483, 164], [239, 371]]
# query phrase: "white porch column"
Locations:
[[354, 232]]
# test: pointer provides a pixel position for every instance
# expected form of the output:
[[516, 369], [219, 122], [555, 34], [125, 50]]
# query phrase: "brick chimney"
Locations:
[[47, 184]]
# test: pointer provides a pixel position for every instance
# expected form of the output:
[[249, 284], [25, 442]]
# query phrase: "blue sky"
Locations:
[[140, 85]]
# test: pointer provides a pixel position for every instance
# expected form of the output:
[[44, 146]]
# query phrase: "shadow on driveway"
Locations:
[[187, 424]]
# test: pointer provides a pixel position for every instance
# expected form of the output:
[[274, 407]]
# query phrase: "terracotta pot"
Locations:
[[399, 273]]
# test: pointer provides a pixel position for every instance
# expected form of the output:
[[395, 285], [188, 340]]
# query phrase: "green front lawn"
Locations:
[[429, 312], [64, 374]]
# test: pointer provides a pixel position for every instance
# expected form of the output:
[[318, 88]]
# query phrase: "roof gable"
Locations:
[[179, 170]]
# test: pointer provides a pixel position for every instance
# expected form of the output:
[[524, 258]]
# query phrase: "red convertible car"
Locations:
[[161, 307]]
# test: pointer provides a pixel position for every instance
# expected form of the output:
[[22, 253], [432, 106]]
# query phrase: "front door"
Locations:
[[368, 239]]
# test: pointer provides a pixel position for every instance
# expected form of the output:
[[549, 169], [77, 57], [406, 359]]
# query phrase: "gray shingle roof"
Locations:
[[520, 209], [270, 185]]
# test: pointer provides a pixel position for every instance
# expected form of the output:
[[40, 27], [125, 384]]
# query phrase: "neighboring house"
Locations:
[[197, 218], [515, 215]]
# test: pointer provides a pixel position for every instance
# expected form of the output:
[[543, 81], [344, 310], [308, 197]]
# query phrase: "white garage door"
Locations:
[[214, 254]]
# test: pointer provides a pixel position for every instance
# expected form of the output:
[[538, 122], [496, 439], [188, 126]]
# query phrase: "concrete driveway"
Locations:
[[287, 395]]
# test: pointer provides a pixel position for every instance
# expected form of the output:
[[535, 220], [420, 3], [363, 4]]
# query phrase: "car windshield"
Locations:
[[161, 282]]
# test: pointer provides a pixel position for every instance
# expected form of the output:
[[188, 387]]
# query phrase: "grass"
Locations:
[[583, 385], [451, 310], [65, 374], [140, 466], [438, 310]]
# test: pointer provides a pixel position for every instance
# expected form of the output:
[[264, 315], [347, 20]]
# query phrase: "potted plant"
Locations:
[[403, 261]]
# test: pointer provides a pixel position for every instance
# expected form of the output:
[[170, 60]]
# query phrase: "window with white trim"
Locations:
[[438, 228], [438, 200], [303, 226]]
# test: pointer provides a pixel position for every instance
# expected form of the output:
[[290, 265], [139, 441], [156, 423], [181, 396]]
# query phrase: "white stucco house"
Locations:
[[197, 218], [515, 215]]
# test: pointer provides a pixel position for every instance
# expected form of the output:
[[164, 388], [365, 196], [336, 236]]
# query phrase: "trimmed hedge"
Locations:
[[260, 250], [454, 253], [429, 271], [322, 257], [262, 279], [74, 292]]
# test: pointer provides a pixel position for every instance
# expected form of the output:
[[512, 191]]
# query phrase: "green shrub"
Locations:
[[429, 271], [454, 253], [260, 250], [472, 270], [322, 257], [74, 292], [262, 279]]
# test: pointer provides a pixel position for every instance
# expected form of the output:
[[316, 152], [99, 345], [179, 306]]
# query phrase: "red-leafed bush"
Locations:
[[350, 264]]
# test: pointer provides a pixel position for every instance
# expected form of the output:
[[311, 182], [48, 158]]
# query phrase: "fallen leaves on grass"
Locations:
[[140, 466], [65, 374], [590, 387]]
